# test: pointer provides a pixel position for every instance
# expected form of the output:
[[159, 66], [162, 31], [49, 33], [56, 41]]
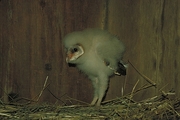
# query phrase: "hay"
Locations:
[[158, 107], [162, 107]]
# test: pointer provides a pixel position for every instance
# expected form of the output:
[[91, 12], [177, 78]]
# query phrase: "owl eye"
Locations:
[[75, 49]]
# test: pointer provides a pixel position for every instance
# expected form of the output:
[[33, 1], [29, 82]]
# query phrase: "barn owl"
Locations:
[[98, 54]]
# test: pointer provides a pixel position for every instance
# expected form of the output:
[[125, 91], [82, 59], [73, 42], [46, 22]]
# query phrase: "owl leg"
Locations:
[[102, 87], [95, 85]]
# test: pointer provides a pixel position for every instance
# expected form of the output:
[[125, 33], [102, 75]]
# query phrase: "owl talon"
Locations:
[[116, 73]]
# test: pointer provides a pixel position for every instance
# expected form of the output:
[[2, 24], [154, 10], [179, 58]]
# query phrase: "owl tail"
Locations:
[[121, 69]]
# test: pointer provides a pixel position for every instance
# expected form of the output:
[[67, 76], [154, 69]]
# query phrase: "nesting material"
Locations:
[[158, 107], [162, 107]]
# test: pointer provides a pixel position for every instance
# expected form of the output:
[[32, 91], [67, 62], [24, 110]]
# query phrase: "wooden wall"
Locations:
[[31, 49]]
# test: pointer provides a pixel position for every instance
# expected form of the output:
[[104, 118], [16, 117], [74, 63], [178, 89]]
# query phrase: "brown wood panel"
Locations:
[[30, 45], [33, 41], [169, 50], [141, 25], [148, 36], [5, 83], [123, 19], [79, 15]]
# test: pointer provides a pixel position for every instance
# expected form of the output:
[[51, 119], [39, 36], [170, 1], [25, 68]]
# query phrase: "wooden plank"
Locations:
[[31, 47], [140, 24], [79, 15], [35, 30], [169, 55]]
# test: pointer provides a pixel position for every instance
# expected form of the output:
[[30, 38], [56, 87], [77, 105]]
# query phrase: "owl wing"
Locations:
[[110, 51]]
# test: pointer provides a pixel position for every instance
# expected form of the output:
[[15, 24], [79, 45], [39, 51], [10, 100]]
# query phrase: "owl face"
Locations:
[[73, 53]]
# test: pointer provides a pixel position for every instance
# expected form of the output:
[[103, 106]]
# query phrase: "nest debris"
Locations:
[[162, 107], [158, 107]]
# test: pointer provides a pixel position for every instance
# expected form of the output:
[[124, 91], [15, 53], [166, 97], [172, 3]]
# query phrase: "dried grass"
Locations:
[[162, 107], [156, 108]]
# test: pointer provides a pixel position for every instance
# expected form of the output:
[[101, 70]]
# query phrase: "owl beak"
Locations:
[[69, 57]]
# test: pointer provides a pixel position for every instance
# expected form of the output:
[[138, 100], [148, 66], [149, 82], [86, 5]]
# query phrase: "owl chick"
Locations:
[[98, 54]]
